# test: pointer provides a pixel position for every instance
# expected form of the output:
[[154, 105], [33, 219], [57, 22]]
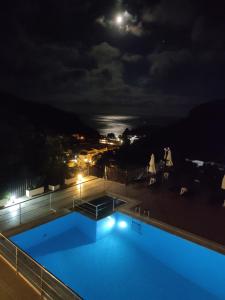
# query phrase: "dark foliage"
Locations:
[[34, 137]]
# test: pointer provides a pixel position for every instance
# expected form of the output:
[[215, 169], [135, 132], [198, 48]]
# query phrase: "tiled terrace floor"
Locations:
[[12, 286], [196, 214]]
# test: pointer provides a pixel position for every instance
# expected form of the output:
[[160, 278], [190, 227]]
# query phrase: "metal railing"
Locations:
[[100, 210], [41, 206], [32, 209], [70, 197], [43, 281]]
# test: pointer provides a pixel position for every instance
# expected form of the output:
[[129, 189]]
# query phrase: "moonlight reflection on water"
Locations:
[[113, 123], [105, 124]]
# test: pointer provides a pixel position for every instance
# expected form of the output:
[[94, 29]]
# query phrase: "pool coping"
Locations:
[[27, 226]]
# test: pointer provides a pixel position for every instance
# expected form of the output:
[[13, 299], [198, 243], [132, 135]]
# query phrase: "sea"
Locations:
[[116, 124]]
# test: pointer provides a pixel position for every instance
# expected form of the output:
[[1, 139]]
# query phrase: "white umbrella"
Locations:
[[223, 187], [223, 183], [152, 168], [169, 162], [165, 153], [105, 172]]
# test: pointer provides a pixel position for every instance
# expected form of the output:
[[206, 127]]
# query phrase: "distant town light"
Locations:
[[133, 138], [74, 160]]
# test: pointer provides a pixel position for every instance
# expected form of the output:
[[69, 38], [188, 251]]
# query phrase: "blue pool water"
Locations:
[[119, 257]]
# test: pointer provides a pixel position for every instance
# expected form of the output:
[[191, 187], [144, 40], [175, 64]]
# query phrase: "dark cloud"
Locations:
[[104, 53], [131, 58], [162, 63], [167, 56], [208, 35], [190, 73], [173, 12]]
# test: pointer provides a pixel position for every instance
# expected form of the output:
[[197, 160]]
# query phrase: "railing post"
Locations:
[[50, 201], [41, 282], [105, 178], [96, 213], [104, 185], [20, 213], [80, 191], [16, 260]]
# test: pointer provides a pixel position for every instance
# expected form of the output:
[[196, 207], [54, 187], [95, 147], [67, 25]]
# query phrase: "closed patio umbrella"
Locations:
[[169, 161], [165, 153], [152, 168], [223, 183], [223, 188], [105, 172]]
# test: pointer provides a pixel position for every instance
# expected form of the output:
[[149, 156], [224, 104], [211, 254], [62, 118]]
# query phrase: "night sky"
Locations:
[[142, 57]]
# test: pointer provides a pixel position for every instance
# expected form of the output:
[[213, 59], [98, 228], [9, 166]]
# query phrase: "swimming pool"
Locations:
[[120, 257]]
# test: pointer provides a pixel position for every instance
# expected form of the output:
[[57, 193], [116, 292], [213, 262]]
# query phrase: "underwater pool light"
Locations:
[[122, 224], [110, 222]]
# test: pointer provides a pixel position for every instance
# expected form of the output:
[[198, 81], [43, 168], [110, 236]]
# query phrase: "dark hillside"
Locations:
[[201, 134], [41, 116], [34, 138]]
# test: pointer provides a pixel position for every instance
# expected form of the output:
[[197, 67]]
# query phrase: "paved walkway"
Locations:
[[12, 286]]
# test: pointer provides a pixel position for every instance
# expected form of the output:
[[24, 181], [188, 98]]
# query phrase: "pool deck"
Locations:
[[195, 214], [194, 217], [12, 286]]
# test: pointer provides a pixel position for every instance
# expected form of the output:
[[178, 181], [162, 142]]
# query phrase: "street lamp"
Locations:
[[12, 198], [80, 181], [11, 201], [80, 178]]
